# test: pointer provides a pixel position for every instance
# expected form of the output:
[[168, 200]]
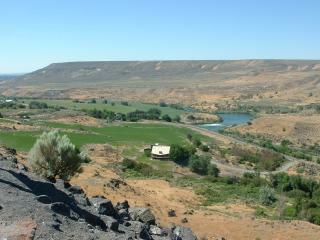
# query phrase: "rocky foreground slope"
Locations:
[[32, 208]]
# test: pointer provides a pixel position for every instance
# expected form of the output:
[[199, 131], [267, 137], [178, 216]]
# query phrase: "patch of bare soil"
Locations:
[[299, 129], [70, 117], [16, 126], [19, 230], [233, 221], [307, 169], [82, 120]]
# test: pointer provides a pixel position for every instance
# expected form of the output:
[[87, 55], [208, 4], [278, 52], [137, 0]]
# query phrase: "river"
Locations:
[[228, 120]]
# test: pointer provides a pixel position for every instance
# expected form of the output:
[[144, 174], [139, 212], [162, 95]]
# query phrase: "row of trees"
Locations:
[[38, 105], [151, 114]]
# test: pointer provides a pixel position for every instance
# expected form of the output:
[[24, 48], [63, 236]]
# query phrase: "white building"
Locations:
[[160, 151]]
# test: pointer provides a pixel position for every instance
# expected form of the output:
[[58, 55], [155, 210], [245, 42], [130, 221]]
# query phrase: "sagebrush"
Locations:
[[54, 156]]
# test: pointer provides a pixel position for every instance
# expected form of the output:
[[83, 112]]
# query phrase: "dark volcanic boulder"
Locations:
[[143, 215], [43, 199], [103, 206], [82, 199], [110, 222], [123, 215], [184, 233], [172, 213], [122, 205], [61, 208], [38, 209], [137, 230], [76, 190]]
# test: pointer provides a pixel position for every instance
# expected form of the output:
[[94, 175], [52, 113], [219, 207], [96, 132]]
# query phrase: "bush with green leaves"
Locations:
[[267, 195], [203, 166], [38, 105], [205, 148], [179, 154], [196, 142], [167, 118], [54, 156]]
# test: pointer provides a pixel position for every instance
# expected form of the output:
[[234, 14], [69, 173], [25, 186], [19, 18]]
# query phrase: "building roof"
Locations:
[[160, 150]]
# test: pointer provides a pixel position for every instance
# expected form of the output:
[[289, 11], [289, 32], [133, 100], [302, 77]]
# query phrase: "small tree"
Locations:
[[213, 170], [167, 118], [179, 154], [203, 166], [55, 156], [199, 164]]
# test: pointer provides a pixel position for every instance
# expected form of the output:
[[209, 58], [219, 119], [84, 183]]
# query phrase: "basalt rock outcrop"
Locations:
[[32, 208]]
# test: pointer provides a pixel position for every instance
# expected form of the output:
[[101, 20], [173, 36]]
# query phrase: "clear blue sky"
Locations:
[[35, 33]]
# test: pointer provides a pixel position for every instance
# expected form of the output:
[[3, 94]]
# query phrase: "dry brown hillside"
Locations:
[[174, 81]]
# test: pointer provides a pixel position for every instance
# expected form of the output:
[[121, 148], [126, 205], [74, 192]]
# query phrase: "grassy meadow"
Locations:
[[132, 134]]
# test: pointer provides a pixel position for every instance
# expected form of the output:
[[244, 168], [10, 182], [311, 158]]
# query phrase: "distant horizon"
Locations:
[[156, 60]]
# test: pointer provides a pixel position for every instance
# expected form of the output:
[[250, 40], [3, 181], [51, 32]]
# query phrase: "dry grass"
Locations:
[[299, 129]]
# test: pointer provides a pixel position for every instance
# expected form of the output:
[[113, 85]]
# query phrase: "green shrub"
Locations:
[[313, 215], [167, 118], [260, 212], [203, 166], [289, 212], [37, 105], [199, 164], [213, 170], [196, 142], [147, 152], [267, 195], [179, 154], [189, 136], [205, 148], [153, 113], [133, 168], [163, 104], [55, 156]]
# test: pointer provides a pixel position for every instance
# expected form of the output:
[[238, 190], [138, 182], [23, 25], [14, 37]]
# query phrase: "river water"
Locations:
[[228, 120]]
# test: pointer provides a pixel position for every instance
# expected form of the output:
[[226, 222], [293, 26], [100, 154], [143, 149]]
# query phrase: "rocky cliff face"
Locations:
[[32, 208]]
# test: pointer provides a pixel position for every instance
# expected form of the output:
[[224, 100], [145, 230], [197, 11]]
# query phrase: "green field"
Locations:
[[132, 134], [117, 107]]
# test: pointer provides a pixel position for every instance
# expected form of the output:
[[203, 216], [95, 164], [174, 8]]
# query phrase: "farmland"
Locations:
[[133, 133]]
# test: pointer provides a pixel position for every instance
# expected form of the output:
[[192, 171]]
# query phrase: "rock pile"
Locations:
[[32, 208]]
